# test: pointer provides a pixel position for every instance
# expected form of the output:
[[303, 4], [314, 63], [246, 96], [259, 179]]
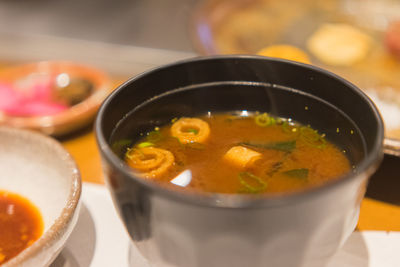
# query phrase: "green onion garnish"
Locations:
[[251, 183], [297, 173], [288, 128], [194, 131], [312, 137], [118, 146], [154, 136], [145, 144], [264, 120]]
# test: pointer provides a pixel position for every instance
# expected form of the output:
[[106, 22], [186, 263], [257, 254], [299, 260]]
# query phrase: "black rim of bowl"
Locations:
[[218, 200]]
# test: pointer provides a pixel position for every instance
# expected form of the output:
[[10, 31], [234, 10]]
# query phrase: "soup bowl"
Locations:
[[176, 228]]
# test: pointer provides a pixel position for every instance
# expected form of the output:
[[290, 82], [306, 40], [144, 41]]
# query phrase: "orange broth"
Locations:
[[21, 224], [289, 156]]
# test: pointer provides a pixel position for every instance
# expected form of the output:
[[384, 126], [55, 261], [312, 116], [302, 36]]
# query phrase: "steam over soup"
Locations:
[[235, 154]]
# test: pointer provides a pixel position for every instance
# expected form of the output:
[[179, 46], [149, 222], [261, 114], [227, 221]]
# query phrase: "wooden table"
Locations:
[[374, 215]]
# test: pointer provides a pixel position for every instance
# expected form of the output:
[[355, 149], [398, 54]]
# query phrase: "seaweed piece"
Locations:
[[251, 183], [275, 168], [285, 146], [301, 173]]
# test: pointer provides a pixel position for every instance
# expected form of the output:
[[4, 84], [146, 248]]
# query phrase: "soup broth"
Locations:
[[225, 153]]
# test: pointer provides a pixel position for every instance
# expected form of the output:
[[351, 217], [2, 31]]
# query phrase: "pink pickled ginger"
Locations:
[[34, 101]]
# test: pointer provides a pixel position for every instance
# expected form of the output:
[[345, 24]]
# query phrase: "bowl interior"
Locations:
[[303, 93], [242, 98]]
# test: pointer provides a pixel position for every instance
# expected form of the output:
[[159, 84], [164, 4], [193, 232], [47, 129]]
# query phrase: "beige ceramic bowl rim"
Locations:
[[60, 225]]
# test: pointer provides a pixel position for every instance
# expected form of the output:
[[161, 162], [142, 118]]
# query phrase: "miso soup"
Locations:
[[225, 153]]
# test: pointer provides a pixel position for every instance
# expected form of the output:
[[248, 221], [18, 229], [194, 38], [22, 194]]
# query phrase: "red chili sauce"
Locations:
[[21, 224]]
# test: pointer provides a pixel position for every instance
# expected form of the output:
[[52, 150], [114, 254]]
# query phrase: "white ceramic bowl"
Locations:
[[40, 169]]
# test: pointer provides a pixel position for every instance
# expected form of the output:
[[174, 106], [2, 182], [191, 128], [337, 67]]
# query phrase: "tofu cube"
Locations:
[[241, 156]]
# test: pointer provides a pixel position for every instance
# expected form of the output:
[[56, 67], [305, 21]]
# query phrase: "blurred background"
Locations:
[[122, 37], [356, 39], [128, 36]]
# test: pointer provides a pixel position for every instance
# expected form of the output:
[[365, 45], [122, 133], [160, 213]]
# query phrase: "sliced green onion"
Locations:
[[194, 131], [312, 137], [289, 129], [309, 133], [297, 173], [120, 145], [264, 120], [145, 144], [251, 183], [285, 146], [154, 136]]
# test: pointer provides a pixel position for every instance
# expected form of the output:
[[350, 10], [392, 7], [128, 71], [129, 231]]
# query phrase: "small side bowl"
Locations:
[[66, 121], [38, 168]]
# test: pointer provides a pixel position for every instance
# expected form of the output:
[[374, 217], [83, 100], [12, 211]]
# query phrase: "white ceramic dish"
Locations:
[[38, 168]]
